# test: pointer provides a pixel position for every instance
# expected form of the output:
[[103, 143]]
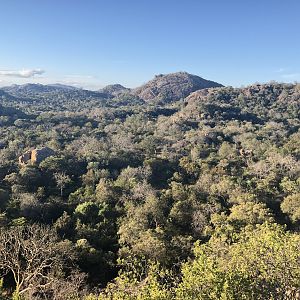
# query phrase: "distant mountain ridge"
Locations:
[[34, 91], [154, 88], [37, 88], [64, 86], [44, 96], [162, 89]]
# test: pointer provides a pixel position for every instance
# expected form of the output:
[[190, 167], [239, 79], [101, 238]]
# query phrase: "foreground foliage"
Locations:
[[258, 263]]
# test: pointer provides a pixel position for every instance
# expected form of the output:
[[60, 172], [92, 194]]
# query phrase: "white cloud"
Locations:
[[25, 73]]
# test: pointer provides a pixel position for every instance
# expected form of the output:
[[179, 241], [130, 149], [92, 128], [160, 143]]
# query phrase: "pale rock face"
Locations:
[[35, 156], [38, 155]]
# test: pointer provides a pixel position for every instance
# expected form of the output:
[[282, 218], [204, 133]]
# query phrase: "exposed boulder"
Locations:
[[38, 155], [35, 156]]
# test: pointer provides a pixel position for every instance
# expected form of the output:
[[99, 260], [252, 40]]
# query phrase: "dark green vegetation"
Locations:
[[167, 198]]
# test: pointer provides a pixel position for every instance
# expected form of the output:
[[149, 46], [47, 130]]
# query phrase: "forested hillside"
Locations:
[[183, 196]]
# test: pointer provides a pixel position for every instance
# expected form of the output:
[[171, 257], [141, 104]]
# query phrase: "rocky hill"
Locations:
[[258, 103], [172, 87], [114, 89]]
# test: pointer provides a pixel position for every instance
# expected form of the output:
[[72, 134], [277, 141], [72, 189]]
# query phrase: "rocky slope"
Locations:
[[257, 103]]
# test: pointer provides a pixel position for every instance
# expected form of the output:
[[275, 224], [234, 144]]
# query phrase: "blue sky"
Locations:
[[92, 43]]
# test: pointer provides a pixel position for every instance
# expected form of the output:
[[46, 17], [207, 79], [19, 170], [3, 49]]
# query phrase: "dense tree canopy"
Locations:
[[192, 199]]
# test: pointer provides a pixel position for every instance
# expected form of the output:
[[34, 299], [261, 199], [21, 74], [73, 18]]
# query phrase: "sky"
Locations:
[[92, 43]]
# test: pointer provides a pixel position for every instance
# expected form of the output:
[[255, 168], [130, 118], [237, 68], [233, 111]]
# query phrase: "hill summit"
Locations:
[[114, 89], [172, 87]]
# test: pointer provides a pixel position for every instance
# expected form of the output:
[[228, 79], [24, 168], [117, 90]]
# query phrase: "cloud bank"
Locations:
[[25, 73]]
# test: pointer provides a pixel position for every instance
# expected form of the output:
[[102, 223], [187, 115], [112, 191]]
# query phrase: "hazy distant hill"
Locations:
[[63, 86], [56, 97], [172, 87], [32, 88], [36, 90]]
